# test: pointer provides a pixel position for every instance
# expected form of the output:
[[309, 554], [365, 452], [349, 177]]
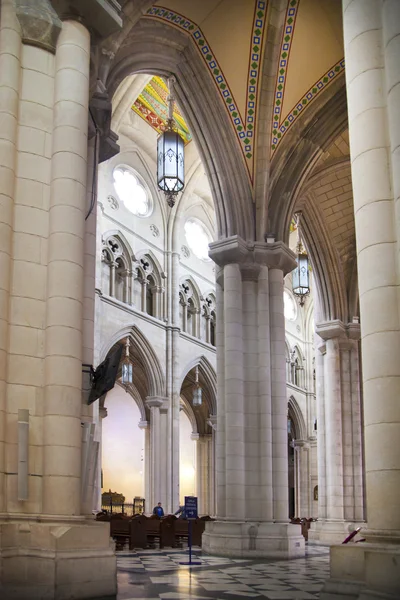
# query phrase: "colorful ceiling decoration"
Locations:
[[244, 124], [152, 106], [281, 123]]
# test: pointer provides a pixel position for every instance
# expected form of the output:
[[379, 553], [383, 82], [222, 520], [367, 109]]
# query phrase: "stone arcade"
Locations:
[[289, 112]]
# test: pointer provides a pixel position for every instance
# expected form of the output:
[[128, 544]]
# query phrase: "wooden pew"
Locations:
[[119, 527], [138, 532], [167, 531]]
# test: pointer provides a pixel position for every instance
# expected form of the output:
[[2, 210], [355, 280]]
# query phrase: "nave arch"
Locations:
[[158, 48]]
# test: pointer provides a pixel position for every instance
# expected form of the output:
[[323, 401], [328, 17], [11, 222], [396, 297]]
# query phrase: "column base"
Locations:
[[325, 533], [363, 572], [57, 561], [252, 539]]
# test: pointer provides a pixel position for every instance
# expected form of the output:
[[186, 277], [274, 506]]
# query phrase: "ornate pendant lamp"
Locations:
[[170, 156], [301, 276], [197, 391], [127, 367]]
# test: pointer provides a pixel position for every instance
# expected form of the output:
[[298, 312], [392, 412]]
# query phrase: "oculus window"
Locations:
[[290, 307], [197, 238], [131, 191]]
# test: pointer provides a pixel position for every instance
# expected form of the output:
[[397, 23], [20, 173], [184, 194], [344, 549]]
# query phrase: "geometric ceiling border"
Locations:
[[286, 44], [280, 125], [245, 135], [280, 130]]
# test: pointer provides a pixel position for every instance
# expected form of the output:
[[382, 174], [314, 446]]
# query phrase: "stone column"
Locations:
[[203, 468], [157, 455], [252, 506], [371, 38], [10, 68], [174, 392], [145, 425], [44, 549], [278, 398], [340, 500], [63, 362], [303, 478]]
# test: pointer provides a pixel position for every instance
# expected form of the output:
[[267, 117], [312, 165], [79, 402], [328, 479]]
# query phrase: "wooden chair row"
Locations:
[[144, 532]]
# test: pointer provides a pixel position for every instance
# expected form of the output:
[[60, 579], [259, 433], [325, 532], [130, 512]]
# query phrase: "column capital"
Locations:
[[40, 25], [337, 329], [156, 402], [143, 424], [251, 256]]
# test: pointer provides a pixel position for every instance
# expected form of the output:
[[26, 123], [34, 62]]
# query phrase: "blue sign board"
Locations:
[[191, 507]]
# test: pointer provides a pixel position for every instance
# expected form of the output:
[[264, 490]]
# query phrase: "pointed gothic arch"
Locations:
[[151, 364], [156, 47]]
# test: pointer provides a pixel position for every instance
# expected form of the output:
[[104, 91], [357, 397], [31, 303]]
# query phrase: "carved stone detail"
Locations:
[[40, 25]]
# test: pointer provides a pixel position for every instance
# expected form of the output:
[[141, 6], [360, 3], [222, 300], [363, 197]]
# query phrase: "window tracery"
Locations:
[[209, 319], [189, 305], [295, 369], [116, 269], [149, 289]]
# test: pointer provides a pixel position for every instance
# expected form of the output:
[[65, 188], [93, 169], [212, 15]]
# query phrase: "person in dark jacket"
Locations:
[[158, 510]]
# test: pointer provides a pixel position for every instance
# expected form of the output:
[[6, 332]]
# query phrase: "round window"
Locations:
[[131, 191], [197, 238], [289, 306]]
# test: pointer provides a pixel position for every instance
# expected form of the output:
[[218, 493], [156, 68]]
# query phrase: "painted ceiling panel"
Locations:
[[151, 105], [317, 46], [227, 26]]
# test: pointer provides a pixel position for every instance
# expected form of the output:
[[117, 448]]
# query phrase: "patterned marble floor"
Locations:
[[155, 574]]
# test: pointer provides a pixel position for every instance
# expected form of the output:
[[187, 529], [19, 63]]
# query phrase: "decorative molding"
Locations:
[[244, 128], [113, 202], [154, 230], [40, 25], [280, 124], [185, 251]]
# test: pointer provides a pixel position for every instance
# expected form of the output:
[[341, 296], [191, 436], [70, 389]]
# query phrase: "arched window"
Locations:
[[208, 319], [149, 296], [148, 286], [213, 340], [189, 300], [296, 373], [117, 280]]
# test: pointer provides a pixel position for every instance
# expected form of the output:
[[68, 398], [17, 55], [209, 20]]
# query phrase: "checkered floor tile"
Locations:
[[155, 574]]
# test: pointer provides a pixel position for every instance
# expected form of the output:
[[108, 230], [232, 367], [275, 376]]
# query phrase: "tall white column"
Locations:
[[203, 470], [234, 392], [63, 362], [371, 39], [278, 398], [158, 463], [251, 445], [372, 87], [174, 391], [10, 53], [220, 501], [340, 501]]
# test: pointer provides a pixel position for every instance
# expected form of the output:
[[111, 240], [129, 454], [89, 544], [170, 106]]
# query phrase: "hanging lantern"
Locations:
[[170, 156], [301, 276], [197, 391], [127, 367]]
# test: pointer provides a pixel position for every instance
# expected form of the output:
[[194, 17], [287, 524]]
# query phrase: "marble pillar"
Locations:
[[47, 548], [251, 444], [341, 501], [204, 472], [10, 69], [372, 38], [157, 447]]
